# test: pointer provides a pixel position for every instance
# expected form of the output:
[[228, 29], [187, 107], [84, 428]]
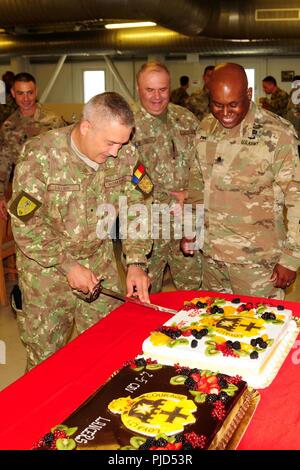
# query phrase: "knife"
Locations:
[[99, 289]]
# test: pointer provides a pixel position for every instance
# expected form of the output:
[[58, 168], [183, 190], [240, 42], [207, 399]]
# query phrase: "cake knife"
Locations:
[[99, 289]]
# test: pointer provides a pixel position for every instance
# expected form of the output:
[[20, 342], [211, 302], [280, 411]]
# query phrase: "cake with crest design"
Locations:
[[148, 406], [228, 336]]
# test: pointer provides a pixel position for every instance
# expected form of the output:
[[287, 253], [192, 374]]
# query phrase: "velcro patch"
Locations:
[[141, 179], [24, 206]]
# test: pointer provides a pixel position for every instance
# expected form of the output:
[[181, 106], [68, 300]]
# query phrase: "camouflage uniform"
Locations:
[[198, 103], [179, 96], [277, 103], [166, 148], [14, 133], [250, 173], [62, 232], [8, 108], [293, 109]]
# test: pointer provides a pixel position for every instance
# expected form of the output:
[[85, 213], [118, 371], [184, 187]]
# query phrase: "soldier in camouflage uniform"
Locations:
[[10, 105], [164, 136], [180, 95], [251, 170], [29, 120], [63, 182], [277, 103], [198, 102], [293, 108]]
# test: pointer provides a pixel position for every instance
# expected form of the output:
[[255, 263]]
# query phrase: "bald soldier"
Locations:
[[164, 137], [250, 167], [65, 181]]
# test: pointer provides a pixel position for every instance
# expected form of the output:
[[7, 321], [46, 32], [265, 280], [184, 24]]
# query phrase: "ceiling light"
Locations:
[[129, 25]]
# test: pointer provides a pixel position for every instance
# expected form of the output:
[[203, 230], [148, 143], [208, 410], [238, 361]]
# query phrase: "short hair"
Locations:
[[154, 66], [184, 80], [108, 106], [24, 77], [270, 79], [208, 68]]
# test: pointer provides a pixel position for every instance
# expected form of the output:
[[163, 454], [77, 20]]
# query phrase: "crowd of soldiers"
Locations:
[[220, 155]]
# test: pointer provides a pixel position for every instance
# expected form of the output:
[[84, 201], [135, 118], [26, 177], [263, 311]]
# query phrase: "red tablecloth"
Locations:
[[50, 392]]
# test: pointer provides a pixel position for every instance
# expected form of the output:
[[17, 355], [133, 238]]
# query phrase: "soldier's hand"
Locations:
[[81, 278], [282, 277], [137, 283], [187, 245], [3, 209], [180, 196]]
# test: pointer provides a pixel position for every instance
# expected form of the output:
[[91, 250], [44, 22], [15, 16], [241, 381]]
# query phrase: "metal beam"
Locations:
[[54, 76]]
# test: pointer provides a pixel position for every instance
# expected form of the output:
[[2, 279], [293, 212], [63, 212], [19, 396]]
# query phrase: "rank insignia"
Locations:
[[142, 180], [24, 206]]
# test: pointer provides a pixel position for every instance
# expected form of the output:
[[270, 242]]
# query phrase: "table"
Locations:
[[51, 391]]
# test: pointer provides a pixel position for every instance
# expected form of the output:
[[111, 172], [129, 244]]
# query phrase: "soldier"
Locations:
[[198, 102], [293, 107], [180, 95], [277, 103], [10, 105], [28, 120], [64, 182], [251, 171], [164, 136]]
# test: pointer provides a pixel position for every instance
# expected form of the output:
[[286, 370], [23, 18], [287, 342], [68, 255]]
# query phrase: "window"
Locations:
[[93, 83], [251, 81]]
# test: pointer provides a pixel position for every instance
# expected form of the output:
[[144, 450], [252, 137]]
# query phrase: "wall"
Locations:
[[68, 86]]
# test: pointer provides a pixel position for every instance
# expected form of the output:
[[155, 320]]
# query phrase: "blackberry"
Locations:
[[272, 316], [212, 398], [194, 343], [220, 310], [214, 309], [280, 307], [140, 362], [236, 301], [268, 316], [180, 438], [201, 304], [194, 332], [229, 343], [253, 342], [184, 371], [194, 371], [198, 334], [203, 332], [263, 345], [224, 397], [144, 446], [254, 355], [223, 383], [236, 345], [161, 442], [48, 439], [187, 446], [190, 383]]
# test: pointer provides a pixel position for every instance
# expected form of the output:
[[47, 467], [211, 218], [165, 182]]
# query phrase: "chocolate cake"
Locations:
[[149, 406]]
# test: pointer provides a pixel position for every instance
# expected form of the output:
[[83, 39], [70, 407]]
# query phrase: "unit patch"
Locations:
[[24, 206]]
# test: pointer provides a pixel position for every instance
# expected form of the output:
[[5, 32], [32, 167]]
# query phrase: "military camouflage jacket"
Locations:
[[198, 103], [8, 108], [179, 96], [278, 102], [167, 149], [14, 133], [69, 195], [251, 172]]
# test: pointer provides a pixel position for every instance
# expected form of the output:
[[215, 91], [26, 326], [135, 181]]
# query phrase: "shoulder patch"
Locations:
[[142, 180], [24, 206]]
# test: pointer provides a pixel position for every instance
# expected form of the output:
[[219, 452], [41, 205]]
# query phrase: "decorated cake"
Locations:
[[232, 337], [149, 406]]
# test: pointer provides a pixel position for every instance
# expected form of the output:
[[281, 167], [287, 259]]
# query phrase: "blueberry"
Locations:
[[236, 345], [236, 301], [194, 343], [280, 307], [254, 355]]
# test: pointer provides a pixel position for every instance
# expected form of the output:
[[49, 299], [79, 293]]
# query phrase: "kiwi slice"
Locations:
[[178, 380], [137, 441], [65, 444]]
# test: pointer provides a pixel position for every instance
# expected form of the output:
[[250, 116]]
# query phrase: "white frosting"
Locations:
[[257, 372]]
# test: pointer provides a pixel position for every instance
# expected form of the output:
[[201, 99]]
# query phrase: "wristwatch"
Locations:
[[143, 266]]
